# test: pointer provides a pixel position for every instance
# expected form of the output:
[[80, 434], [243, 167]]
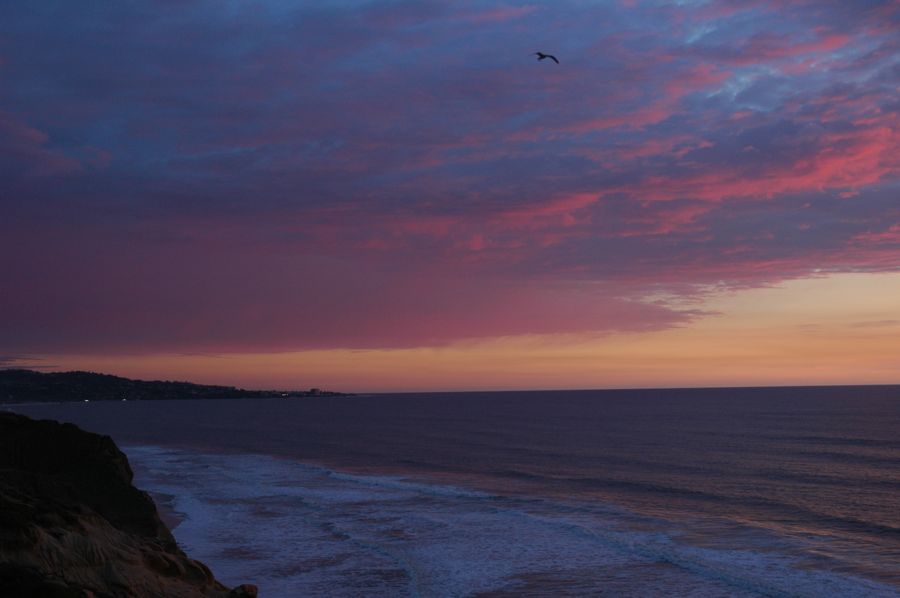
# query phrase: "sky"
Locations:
[[396, 195]]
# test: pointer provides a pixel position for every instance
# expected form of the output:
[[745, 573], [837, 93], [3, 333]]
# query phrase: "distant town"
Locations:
[[28, 386]]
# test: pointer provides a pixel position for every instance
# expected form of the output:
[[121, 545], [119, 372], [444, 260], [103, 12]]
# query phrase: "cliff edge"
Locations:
[[72, 525]]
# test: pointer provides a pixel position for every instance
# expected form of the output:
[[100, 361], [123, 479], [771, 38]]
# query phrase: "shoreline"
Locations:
[[165, 506], [167, 512]]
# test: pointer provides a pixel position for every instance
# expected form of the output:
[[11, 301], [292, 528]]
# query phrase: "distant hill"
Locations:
[[27, 386]]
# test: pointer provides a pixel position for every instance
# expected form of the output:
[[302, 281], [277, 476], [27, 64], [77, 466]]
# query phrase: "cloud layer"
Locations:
[[265, 175]]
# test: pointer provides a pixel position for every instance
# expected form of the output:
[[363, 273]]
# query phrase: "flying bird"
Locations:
[[542, 56]]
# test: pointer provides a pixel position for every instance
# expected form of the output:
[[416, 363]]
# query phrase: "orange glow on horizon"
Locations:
[[842, 329]]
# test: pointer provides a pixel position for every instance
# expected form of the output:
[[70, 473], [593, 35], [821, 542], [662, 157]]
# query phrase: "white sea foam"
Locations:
[[297, 529]]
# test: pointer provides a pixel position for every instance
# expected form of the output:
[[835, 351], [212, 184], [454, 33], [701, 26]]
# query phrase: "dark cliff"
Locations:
[[72, 524]]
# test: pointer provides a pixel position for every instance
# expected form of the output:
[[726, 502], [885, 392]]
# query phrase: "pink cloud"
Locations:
[[25, 149], [505, 13], [115, 299], [404, 173], [855, 158], [637, 119], [562, 207], [889, 236]]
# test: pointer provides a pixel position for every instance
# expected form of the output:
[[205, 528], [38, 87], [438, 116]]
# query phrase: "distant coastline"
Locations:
[[19, 386]]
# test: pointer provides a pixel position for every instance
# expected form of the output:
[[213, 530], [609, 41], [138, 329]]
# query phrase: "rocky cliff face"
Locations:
[[72, 525]]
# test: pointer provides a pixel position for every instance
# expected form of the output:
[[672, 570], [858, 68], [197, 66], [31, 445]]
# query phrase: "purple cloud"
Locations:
[[275, 176]]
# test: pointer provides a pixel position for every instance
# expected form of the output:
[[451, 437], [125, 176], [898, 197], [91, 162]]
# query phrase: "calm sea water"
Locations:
[[715, 492]]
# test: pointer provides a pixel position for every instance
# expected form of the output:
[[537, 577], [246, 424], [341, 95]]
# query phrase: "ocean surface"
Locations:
[[711, 492]]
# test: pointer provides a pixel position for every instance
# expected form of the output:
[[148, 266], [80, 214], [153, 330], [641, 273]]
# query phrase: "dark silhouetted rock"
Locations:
[[72, 524]]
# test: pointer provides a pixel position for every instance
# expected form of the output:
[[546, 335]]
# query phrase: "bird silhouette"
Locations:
[[542, 56]]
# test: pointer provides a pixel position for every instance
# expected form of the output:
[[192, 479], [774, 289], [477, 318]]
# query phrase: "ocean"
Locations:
[[701, 492]]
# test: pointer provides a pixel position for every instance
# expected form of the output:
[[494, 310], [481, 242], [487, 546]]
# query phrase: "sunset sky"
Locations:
[[396, 195]]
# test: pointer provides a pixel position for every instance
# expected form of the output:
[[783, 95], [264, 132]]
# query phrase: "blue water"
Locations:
[[717, 492]]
